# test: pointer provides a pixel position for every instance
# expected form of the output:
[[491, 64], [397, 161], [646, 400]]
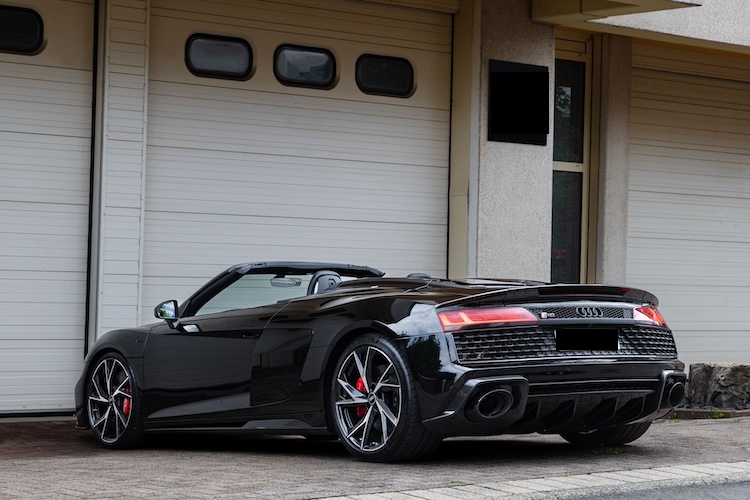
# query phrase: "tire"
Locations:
[[610, 436], [113, 403], [373, 403]]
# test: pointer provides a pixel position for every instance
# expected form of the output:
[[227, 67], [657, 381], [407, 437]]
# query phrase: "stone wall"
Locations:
[[719, 385]]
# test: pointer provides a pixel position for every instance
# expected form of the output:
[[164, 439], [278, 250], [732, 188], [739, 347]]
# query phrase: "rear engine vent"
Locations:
[[534, 343]]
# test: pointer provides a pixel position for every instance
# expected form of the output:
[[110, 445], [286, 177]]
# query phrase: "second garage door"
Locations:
[[256, 170], [689, 211]]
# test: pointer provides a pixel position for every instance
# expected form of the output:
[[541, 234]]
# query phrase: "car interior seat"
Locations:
[[322, 281]]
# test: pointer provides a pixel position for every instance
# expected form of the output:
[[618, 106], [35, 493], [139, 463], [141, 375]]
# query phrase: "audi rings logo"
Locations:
[[589, 312]]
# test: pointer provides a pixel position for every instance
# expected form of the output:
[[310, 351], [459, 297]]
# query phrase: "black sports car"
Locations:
[[388, 365]]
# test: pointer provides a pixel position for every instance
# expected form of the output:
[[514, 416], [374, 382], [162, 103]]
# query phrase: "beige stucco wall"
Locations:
[[464, 161], [501, 193], [514, 181], [612, 230], [719, 24]]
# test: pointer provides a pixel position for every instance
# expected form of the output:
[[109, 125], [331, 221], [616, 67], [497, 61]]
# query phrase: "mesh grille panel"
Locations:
[[496, 345]]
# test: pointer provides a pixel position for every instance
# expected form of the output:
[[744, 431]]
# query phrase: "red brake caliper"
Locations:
[[360, 386], [126, 403]]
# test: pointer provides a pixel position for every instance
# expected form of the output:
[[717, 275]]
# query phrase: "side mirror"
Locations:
[[166, 310]]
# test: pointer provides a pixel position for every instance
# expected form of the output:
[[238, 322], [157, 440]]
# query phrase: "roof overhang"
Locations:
[[575, 11]]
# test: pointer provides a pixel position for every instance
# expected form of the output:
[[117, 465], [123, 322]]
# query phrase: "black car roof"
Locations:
[[291, 267]]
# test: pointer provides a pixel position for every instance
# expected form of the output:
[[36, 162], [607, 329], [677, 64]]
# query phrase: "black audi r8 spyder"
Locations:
[[388, 365]]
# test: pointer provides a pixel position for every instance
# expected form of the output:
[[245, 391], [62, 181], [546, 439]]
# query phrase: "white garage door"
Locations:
[[689, 212], [45, 116], [255, 170]]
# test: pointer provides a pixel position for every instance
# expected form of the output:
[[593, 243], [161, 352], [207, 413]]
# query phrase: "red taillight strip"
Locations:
[[648, 315], [461, 318]]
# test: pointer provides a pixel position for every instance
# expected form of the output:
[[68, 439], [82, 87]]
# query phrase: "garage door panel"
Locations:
[[689, 199], [303, 145], [699, 185], [695, 126], [725, 94], [255, 170], [224, 240], [246, 124], [315, 172], [45, 130], [433, 68], [305, 238], [224, 121], [33, 391], [671, 156], [682, 262], [352, 21], [653, 200], [730, 349]]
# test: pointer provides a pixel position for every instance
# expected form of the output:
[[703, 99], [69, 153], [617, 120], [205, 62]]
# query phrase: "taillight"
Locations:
[[503, 316], [649, 315]]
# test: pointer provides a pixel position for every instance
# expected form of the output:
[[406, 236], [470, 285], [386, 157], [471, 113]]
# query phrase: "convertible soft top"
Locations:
[[309, 267]]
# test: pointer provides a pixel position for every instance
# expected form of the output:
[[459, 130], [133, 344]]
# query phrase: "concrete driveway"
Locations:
[[52, 460]]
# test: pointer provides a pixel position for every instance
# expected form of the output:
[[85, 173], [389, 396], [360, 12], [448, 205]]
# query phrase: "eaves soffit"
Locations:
[[566, 12]]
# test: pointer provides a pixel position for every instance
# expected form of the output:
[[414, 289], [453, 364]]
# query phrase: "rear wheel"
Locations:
[[113, 403], [610, 436], [374, 405]]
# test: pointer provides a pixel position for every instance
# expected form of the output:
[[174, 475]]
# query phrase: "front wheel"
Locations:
[[610, 436], [374, 405], [113, 403]]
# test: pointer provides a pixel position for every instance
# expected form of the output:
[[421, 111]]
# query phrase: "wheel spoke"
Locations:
[[368, 367], [108, 374], [120, 392], [356, 398], [99, 400], [369, 425], [117, 425], [383, 425], [360, 368], [362, 423], [351, 402], [104, 419], [120, 417], [95, 385], [382, 383], [386, 412]]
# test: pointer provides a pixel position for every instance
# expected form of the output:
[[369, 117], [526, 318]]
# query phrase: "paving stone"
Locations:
[[51, 460]]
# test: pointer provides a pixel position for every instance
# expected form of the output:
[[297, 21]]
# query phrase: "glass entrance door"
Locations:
[[570, 177]]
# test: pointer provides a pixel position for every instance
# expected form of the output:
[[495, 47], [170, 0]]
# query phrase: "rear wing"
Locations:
[[557, 293]]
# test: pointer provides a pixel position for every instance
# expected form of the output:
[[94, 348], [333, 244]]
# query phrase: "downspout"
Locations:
[[92, 260]]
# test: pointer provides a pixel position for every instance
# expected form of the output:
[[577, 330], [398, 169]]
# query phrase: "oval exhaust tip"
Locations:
[[676, 394], [493, 404]]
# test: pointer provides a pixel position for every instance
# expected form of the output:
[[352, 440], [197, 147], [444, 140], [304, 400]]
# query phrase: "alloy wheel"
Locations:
[[368, 399], [110, 400]]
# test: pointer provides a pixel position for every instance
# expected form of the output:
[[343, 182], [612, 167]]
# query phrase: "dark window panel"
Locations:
[[219, 57], [21, 30], [390, 76], [567, 193], [570, 95], [305, 67]]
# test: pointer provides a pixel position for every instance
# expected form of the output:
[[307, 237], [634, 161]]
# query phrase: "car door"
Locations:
[[199, 372]]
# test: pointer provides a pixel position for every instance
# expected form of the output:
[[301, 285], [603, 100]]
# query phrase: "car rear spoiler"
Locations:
[[557, 293]]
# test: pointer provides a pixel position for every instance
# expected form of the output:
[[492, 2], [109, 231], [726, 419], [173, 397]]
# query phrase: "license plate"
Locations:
[[586, 339]]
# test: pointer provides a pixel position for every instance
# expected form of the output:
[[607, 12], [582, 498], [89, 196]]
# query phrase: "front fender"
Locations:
[[130, 343]]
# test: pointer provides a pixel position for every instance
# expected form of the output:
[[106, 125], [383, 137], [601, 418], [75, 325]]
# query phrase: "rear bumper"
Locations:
[[546, 396]]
